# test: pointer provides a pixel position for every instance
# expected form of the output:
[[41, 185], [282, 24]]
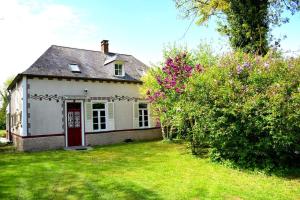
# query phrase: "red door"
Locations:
[[74, 124]]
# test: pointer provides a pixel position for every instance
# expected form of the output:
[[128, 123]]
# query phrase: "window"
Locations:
[[99, 116], [74, 68], [119, 70], [143, 115]]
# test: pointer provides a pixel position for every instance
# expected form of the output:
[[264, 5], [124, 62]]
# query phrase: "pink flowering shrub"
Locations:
[[165, 87], [245, 108]]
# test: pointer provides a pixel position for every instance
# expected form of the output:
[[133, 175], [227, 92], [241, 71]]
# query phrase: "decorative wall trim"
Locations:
[[47, 97], [57, 98]]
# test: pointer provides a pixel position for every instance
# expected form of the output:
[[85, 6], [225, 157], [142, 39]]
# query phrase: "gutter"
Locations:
[[19, 76]]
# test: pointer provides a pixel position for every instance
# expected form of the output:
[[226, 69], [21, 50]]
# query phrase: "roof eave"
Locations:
[[15, 80], [83, 78]]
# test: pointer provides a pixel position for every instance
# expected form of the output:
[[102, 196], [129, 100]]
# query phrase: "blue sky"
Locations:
[[143, 27], [138, 27]]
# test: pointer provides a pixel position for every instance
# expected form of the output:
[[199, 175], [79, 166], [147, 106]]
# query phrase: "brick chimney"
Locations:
[[104, 46]]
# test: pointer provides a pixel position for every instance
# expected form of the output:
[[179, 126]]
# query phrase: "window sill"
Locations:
[[119, 76]]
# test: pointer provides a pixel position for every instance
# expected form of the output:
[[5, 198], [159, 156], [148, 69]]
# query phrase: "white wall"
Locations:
[[17, 104], [46, 117]]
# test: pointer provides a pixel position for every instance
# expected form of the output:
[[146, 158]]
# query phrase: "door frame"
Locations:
[[82, 121]]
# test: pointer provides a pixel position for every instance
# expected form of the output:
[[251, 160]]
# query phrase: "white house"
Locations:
[[75, 98]]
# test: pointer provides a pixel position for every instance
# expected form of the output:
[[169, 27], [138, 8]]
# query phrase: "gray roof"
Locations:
[[93, 64]]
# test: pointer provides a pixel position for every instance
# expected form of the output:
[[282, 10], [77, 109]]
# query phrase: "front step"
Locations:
[[73, 148]]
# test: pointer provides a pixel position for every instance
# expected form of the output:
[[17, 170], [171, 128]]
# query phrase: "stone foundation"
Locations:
[[93, 139], [39, 143]]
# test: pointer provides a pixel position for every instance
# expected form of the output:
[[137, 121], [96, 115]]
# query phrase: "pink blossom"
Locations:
[[158, 79], [173, 83], [187, 68], [156, 94], [169, 62], [168, 87], [178, 90], [167, 80], [199, 68]]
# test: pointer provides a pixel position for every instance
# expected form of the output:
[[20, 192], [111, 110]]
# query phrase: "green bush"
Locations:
[[247, 110]]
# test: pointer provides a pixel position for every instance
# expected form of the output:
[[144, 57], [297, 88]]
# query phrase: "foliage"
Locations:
[[247, 23], [4, 101], [148, 170], [2, 133], [166, 85], [244, 107], [247, 110]]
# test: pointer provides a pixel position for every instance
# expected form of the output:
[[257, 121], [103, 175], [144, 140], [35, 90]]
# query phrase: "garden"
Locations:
[[147, 170], [240, 108]]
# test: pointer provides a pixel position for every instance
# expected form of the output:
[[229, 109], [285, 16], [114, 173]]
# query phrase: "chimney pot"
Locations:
[[104, 46]]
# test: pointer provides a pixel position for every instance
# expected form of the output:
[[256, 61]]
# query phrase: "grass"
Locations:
[[2, 133], [149, 170]]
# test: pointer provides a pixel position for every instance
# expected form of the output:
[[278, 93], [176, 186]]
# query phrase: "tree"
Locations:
[[4, 101], [247, 23]]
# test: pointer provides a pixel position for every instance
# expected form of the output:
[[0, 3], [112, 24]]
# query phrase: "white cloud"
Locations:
[[28, 29]]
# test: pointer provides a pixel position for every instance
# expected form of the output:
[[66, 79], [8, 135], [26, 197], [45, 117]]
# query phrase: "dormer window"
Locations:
[[74, 68], [119, 69]]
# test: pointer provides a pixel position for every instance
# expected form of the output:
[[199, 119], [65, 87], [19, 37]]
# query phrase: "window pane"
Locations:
[[140, 112], [141, 124], [146, 123], [118, 69], [95, 113], [102, 113], [142, 105], [140, 118], [95, 120], [102, 119], [98, 106], [145, 112], [95, 126], [146, 118], [103, 126], [74, 67]]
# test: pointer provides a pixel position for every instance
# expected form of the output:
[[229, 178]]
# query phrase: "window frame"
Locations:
[[122, 69], [74, 68], [143, 119], [98, 115]]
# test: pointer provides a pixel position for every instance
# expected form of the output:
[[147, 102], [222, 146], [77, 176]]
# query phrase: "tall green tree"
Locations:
[[247, 23], [4, 102]]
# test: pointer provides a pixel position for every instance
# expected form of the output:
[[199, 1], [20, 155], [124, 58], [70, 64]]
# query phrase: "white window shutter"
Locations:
[[110, 116], [88, 111], [135, 115], [150, 119], [88, 117]]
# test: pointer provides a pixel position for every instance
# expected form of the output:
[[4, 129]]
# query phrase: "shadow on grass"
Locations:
[[202, 152], [73, 187], [73, 174]]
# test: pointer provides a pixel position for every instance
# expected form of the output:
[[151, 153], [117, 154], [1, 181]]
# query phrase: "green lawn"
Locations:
[[150, 170], [2, 133]]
